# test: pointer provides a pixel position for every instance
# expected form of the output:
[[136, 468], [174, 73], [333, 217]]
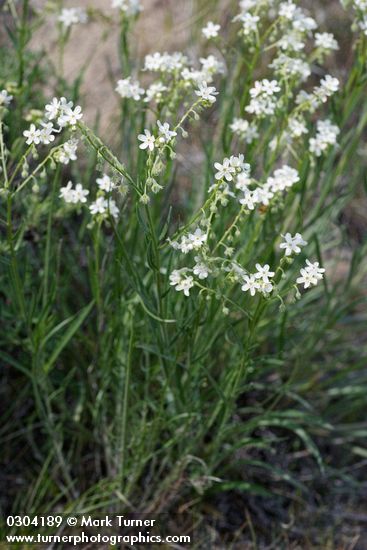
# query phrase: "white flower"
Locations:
[[310, 274], [266, 287], [251, 284], [185, 285], [326, 41], [74, 196], [243, 181], [147, 139], [80, 194], [286, 65], [207, 93], [155, 92], [67, 192], [5, 98], [262, 102], [315, 269], [292, 245], [326, 135], [248, 199], [264, 87], [225, 170], [165, 133], [297, 127], [249, 23], [113, 208], [46, 135], [197, 239], [128, 88], [181, 281], [196, 77], [211, 65], [263, 272], [246, 5], [129, 7], [68, 152], [33, 135], [211, 30], [57, 107], [292, 41], [72, 16], [70, 117], [165, 62], [263, 195], [175, 277], [244, 129], [287, 10], [105, 183], [237, 162], [99, 206], [52, 109], [328, 86], [283, 178], [201, 269]]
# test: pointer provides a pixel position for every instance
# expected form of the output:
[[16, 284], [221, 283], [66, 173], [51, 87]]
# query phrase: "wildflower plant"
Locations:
[[149, 307]]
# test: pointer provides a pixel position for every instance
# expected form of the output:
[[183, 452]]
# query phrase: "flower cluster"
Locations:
[[263, 98], [176, 78], [103, 206], [259, 281], [191, 241], [311, 274], [60, 110], [74, 195], [293, 43], [67, 152], [128, 88], [292, 244], [164, 137], [243, 129], [326, 136]]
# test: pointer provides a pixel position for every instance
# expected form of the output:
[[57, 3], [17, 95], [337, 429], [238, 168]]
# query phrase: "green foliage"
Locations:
[[119, 389]]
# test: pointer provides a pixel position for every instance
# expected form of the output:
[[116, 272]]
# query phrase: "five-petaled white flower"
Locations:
[[105, 183], [263, 272], [80, 194], [211, 30], [225, 170], [251, 284], [292, 245], [33, 135], [181, 281], [147, 139], [46, 134], [207, 93], [70, 116], [99, 206], [201, 270], [165, 134], [197, 239]]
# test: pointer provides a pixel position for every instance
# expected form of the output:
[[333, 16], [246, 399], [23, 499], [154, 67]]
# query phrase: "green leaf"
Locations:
[[79, 318]]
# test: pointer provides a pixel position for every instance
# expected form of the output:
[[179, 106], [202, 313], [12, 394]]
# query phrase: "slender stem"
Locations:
[[126, 401]]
